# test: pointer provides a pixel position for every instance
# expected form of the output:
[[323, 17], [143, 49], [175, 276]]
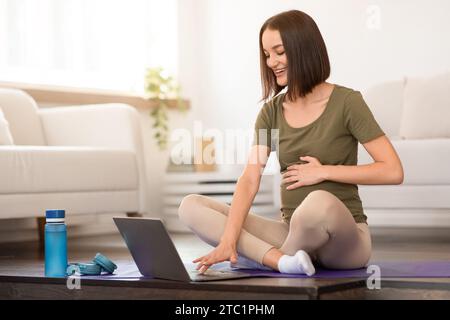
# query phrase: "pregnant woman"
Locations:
[[314, 126]]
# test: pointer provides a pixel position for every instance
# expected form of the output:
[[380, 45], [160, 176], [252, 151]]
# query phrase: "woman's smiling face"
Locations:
[[275, 55]]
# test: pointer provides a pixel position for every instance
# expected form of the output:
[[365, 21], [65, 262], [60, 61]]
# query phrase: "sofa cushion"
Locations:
[[22, 113], [31, 169], [426, 108], [5, 134], [386, 102], [425, 161]]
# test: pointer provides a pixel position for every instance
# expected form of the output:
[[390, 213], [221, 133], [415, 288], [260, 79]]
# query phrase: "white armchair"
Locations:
[[86, 159]]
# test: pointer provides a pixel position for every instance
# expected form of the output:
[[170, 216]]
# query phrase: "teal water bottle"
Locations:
[[55, 243]]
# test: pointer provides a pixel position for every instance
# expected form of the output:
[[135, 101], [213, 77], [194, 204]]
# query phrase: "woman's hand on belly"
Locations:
[[299, 175]]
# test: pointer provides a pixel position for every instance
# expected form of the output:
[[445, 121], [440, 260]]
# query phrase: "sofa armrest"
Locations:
[[115, 126]]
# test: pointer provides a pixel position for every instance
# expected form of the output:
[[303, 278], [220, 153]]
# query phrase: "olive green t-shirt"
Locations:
[[332, 139]]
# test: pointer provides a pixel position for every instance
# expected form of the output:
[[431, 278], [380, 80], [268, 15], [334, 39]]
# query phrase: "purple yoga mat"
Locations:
[[388, 269]]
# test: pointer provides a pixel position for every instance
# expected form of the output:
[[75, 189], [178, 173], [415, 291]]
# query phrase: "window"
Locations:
[[104, 44]]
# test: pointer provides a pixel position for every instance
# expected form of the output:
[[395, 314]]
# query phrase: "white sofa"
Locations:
[[86, 159], [423, 200]]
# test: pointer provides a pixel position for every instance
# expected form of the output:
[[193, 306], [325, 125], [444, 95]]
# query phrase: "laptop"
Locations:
[[156, 256]]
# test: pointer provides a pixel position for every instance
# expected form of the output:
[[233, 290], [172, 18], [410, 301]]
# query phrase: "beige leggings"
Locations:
[[321, 225]]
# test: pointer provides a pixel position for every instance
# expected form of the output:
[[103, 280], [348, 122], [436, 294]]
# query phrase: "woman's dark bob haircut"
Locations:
[[308, 63]]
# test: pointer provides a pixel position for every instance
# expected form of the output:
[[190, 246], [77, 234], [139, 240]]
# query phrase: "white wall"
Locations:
[[219, 59]]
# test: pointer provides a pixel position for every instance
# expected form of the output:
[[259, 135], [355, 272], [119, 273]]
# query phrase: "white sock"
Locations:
[[298, 263], [246, 263]]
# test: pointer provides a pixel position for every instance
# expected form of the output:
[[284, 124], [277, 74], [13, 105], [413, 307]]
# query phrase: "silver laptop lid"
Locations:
[[152, 248]]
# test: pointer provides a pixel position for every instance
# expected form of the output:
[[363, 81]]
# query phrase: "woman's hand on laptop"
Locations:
[[225, 251]]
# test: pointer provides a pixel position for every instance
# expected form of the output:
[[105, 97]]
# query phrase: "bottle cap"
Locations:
[[55, 215]]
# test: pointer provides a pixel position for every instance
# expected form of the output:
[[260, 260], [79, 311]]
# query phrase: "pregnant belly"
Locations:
[[291, 199]]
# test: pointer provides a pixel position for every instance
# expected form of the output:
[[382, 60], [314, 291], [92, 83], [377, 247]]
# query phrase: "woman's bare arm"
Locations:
[[245, 192], [246, 189], [386, 169]]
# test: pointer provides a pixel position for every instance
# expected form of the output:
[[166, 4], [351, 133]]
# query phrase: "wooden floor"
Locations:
[[21, 273]]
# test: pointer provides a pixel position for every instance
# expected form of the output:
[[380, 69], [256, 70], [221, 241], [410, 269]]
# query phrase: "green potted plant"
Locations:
[[161, 87]]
